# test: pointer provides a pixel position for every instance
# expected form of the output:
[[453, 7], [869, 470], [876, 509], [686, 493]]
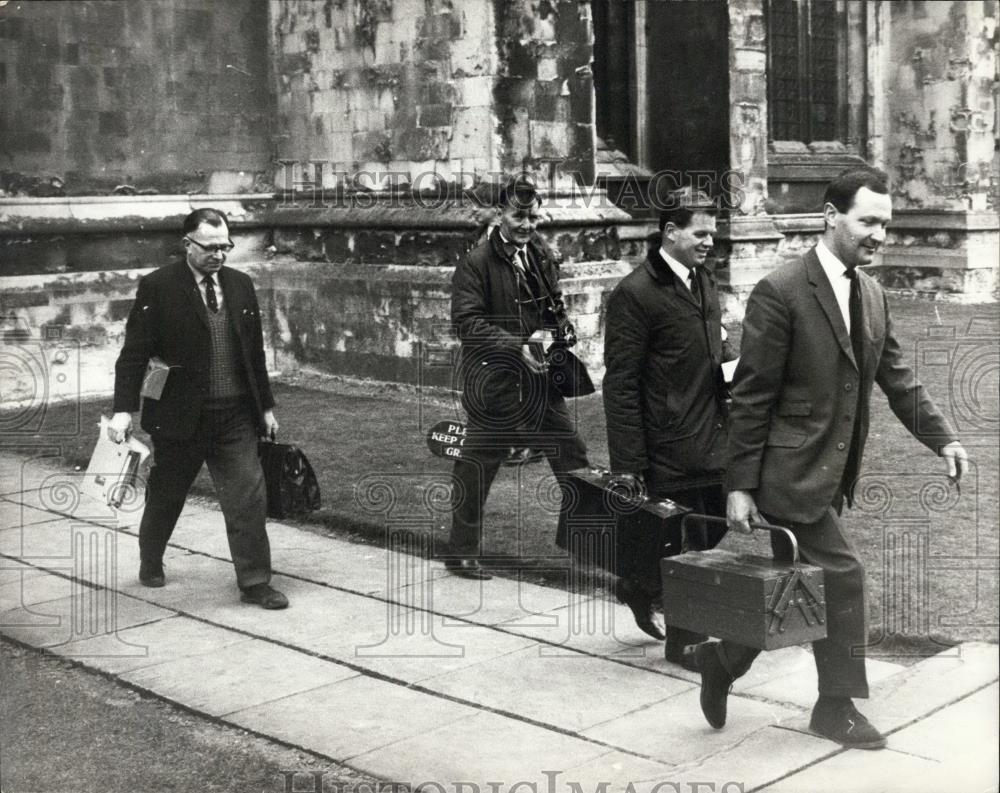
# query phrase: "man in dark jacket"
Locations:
[[202, 320], [664, 395], [504, 296]]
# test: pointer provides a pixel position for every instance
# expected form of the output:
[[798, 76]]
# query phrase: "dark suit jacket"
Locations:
[[663, 392], [494, 315], [169, 320], [795, 392]]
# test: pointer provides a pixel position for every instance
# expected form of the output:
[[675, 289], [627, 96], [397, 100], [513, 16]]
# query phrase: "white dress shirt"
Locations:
[[679, 269], [836, 273], [199, 279], [520, 252]]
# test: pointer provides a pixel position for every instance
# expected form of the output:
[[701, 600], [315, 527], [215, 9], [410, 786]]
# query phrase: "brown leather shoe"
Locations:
[[265, 596], [467, 568]]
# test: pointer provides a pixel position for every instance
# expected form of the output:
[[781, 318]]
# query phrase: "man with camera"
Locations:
[[505, 299]]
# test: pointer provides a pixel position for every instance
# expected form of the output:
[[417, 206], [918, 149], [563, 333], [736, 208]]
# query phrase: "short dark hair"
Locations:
[[213, 217], [519, 191], [682, 204], [841, 191]]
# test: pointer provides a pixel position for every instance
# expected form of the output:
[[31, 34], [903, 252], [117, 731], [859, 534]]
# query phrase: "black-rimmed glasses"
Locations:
[[224, 248]]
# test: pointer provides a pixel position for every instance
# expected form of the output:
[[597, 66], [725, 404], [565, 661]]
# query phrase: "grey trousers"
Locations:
[[226, 440], [840, 657]]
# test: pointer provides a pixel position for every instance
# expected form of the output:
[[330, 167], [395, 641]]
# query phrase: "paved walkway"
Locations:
[[387, 664]]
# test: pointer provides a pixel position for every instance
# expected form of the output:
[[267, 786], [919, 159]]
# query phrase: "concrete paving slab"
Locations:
[[500, 600], [14, 514], [798, 686], [364, 569], [31, 586], [416, 656], [315, 613], [572, 693], [868, 772], [87, 613], [351, 717], [484, 748], [966, 729], [674, 731], [617, 770], [193, 580], [151, 644], [237, 676], [593, 625], [933, 683], [203, 531], [762, 757]]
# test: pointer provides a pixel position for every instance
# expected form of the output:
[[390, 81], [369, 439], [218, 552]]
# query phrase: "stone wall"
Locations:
[[940, 141], [358, 292], [430, 90], [146, 95]]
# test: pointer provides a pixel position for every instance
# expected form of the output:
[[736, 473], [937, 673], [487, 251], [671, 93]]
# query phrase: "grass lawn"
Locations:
[[931, 555]]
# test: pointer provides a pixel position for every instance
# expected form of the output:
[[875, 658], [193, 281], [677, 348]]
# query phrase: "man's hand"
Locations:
[[958, 460], [120, 427], [741, 509], [270, 426], [534, 365]]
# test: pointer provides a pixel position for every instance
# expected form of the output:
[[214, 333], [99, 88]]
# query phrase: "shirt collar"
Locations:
[[199, 277], [832, 266], [679, 269], [510, 247]]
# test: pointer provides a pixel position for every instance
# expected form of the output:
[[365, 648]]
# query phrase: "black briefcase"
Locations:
[[292, 488], [607, 524], [753, 600]]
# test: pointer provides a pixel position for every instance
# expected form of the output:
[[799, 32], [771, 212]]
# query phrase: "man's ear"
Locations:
[[830, 213], [670, 231]]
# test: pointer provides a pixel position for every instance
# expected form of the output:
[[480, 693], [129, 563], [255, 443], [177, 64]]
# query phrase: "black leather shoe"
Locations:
[[151, 574], [715, 684], [839, 721], [646, 617], [265, 596], [682, 656], [467, 568]]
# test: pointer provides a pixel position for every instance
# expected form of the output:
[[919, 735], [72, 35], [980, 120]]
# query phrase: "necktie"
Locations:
[[210, 298], [857, 318], [852, 469], [696, 287], [693, 280]]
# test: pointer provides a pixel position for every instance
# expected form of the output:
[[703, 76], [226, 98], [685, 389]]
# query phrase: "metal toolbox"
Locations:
[[753, 600]]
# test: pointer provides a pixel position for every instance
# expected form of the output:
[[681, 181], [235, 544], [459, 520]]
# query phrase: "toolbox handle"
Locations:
[[753, 525]]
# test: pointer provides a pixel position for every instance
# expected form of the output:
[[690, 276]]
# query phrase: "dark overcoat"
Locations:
[[664, 397]]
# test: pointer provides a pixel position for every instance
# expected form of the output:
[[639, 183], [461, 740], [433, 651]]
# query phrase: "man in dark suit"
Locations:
[[202, 320], [817, 335], [664, 394], [505, 295]]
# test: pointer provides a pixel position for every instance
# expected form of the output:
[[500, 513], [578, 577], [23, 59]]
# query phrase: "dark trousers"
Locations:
[[551, 430], [227, 441], [698, 536], [840, 657]]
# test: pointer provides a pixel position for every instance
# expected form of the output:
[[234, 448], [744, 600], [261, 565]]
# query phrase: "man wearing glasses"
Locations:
[[202, 320]]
